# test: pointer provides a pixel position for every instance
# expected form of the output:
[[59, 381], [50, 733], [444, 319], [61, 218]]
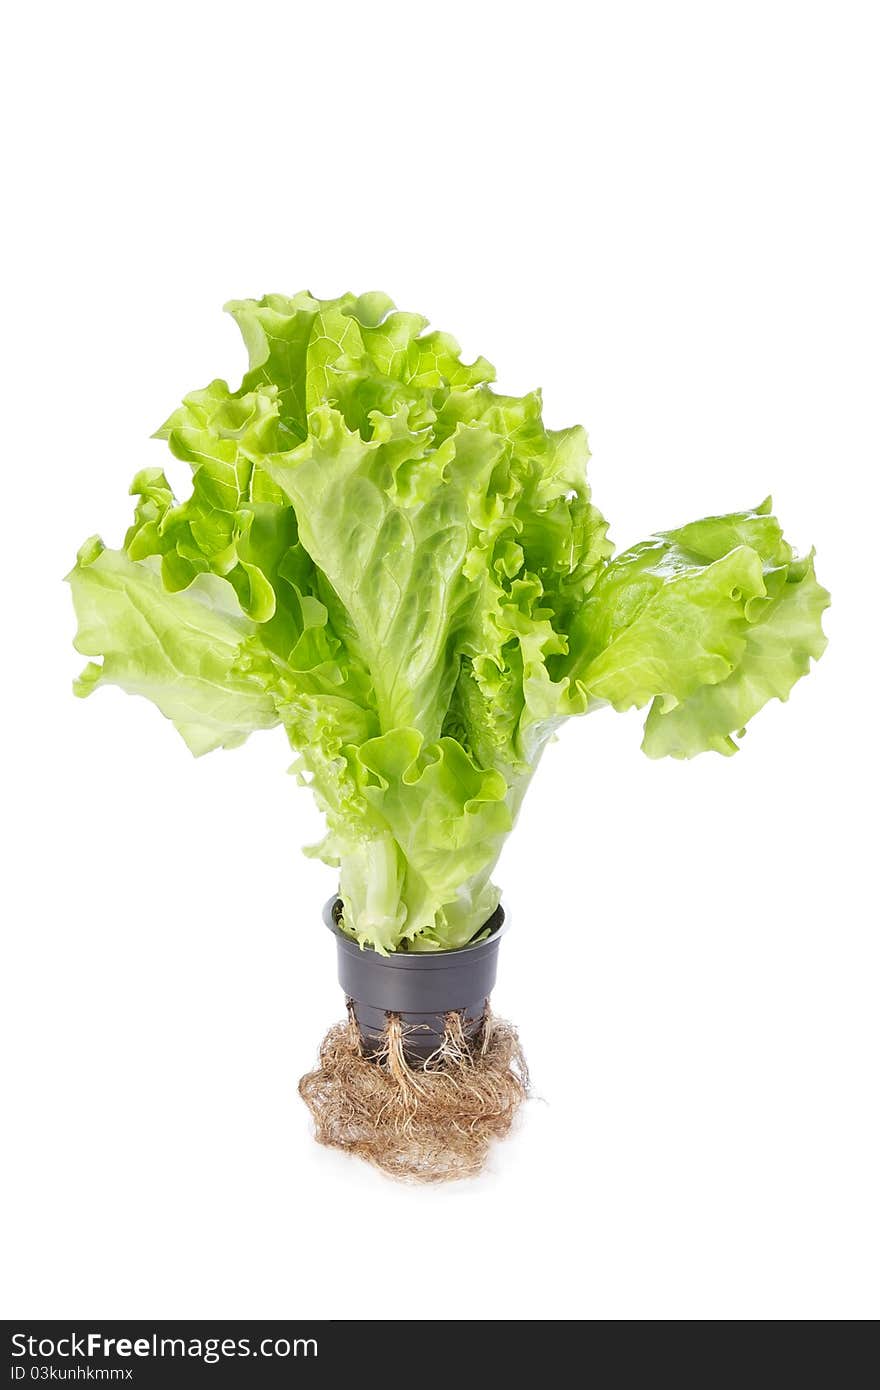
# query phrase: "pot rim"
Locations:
[[417, 960]]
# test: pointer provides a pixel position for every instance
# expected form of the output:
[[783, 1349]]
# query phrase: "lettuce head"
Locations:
[[405, 569]]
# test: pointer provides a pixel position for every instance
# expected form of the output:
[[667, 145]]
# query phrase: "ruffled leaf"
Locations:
[[707, 622], [181, 651]]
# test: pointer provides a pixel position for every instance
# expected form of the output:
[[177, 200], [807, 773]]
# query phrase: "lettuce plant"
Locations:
[[405, 570]]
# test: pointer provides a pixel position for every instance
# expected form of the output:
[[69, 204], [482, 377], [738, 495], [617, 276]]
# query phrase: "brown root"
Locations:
[[426, 1122]]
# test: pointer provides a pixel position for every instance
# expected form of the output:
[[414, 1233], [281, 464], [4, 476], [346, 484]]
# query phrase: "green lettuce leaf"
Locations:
[[707, 623], [182, 651], [779, 646]]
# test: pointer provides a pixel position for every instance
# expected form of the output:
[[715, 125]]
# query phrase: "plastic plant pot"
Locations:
[[421, 988]]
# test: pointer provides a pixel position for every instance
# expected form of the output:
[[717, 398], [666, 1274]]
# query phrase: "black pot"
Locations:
[[421, 987]]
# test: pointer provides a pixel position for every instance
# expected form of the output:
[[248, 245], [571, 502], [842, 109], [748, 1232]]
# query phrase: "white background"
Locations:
[[666, 215]]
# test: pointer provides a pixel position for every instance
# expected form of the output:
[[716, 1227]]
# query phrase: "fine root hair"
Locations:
[[429, 1121]]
